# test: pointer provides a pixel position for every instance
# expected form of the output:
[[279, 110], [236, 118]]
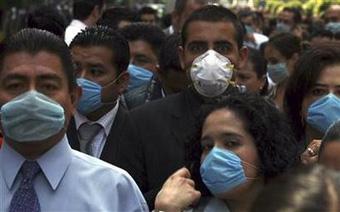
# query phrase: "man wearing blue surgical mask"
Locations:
[[332, 18], [101, 57], [38, 169], [211, 50], [145, 41], [288, 20]]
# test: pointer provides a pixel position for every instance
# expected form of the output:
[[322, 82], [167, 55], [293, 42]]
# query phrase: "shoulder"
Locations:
[[98, 167]]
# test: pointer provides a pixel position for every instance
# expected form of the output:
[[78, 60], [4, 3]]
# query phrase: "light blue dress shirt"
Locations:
[[71, 181]]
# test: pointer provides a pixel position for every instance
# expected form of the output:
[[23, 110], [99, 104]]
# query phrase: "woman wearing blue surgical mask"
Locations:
[[245, 142], [281, 52], [312, 100]]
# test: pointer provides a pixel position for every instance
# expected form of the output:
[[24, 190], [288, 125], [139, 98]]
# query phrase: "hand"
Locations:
[[311, 154], [178, 192]]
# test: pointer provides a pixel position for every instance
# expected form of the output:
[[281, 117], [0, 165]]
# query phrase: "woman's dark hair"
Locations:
[[309, 188], [259, 65], [276, 146], [307, 71], [286, 43], [332, 134]]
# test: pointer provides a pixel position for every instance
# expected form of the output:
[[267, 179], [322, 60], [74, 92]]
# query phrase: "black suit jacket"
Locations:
[[165, 127], [118, 149]]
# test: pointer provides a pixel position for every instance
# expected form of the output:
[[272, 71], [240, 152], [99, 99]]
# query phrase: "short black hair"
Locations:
[[306, 73], [114, 15], [297, 17], [34, 41], [83, 8], [47, 18], [147, 10], [168, 56], [286, 43], [151, 34], [276, 146], [105, 37], [213, 13]]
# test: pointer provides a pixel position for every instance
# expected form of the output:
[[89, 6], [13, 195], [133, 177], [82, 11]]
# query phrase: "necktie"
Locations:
[[25, 198], [86, 134]]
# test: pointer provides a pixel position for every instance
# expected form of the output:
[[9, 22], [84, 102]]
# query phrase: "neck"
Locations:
[[244, 202], [96, 115], [33, 150], [89, 22]]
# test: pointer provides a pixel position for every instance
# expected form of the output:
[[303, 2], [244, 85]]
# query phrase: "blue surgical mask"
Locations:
[[333, 27], [282, 27], [31, 117], [222, 171], [277, 72], [138, 76], [324, 112], [91, 98]]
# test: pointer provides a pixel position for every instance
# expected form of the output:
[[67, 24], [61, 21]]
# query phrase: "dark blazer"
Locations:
[[165, 127], [117, 150]]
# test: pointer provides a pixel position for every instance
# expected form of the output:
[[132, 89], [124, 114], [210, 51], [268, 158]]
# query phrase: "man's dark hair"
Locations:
[[168, 56], [114, 15], [147, 10], [47, 18], [33, 41], [297, 17], [259, 65], [152, 35], [83, 8], [105, 37], [213, 13]]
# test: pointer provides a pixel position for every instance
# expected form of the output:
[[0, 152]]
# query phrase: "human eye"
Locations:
[[197, 48], [206, 145], [222, 48], [231, 143], [319, 91], [96, 71]]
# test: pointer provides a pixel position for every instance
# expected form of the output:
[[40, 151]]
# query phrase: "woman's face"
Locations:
[[225, 130], [247, 76], [273, 57], [328, 82]]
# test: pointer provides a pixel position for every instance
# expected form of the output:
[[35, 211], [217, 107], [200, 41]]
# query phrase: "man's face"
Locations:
[[286, 18], [143, 55], [333, 14], [148, 18], [94, 63], [219, 36], [42, 72]]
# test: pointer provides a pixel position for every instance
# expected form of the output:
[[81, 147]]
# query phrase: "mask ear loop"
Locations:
[[252, 166], [109, 84]]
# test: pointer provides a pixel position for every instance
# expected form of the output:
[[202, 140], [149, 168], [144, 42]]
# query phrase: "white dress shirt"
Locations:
[[72, 30], [98, 142], [71, 181]]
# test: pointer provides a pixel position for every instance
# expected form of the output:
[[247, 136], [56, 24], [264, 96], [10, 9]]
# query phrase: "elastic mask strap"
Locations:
[[114, 81]]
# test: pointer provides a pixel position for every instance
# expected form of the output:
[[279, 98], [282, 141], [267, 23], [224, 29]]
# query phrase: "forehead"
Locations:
[[92, 54], [23, 63], [140, 47], [211, 31], [330, 75], [286, 15]]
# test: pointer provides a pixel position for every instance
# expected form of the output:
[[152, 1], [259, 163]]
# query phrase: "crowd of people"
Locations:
[[207, 109]]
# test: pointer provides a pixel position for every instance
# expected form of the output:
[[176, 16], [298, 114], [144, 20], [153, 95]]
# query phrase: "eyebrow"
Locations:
[[53, 77], [207, 139], [223, 42], [323, 85], [14, 76]]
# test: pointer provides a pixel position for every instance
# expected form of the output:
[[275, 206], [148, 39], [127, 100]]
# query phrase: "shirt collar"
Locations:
[[78, 23], [105, 121], [53, 163], [10, 163]]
